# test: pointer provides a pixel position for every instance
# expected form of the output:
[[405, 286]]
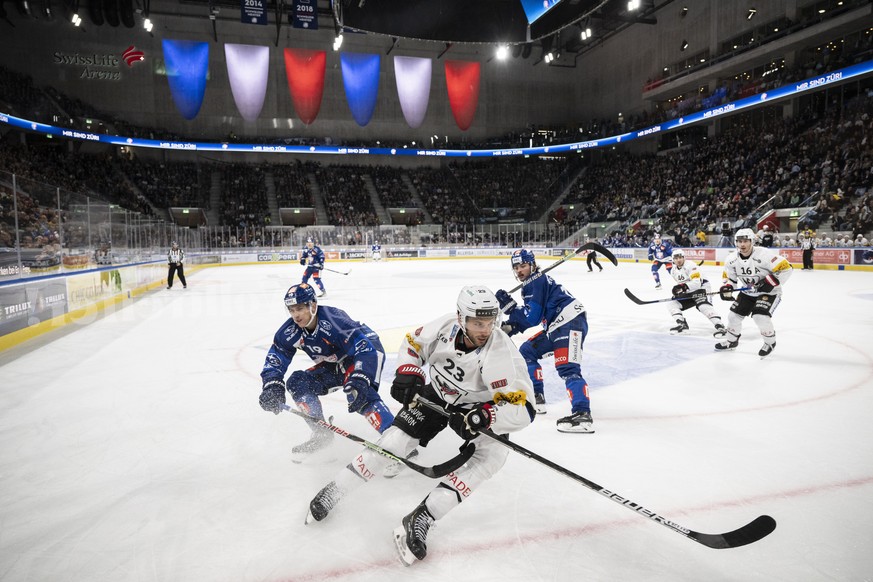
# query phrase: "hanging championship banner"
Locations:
[[253, 11], [305, 14]]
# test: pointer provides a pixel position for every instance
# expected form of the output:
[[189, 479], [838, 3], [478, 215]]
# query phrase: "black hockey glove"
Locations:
[[679, 289], [408, 383], [726, 292], [506, 302], [766, 284], [468, 424], [302, 261], [357, 389], [272, 396]]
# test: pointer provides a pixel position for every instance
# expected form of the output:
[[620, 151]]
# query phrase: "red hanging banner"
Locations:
[[305, 72], [462, 81]]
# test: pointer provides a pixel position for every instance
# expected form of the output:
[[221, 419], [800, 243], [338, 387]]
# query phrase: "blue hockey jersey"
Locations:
[[313, 257], [662, 252], [337, 339], [546, 303]]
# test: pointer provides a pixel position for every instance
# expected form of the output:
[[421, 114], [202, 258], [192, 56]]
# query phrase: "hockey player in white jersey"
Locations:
[[764, 273], [478, 375], [690, 291]]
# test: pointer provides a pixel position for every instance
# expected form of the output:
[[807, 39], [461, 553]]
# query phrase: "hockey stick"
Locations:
[[749, 533], [589, 246], [434, 472], [639, 301], [335, 271]]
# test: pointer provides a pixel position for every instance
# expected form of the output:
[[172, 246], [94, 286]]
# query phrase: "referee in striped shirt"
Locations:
[[175, 258]]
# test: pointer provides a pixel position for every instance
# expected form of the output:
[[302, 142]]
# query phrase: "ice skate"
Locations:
[[321, 293], [727, 344], [766, 349], [323, 502], [580, 422], [657, 285], [411, 535], [317, 443], [396, 467], [681, 325], [540, 405], [720, 331]]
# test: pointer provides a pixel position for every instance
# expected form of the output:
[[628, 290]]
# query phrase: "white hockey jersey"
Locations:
[[496, 372], [690, 275], [746, 272]]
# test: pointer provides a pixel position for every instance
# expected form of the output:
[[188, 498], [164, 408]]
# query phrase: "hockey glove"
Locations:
[[766, 284], [505, 300], [726, 292], [302, 261], [680, 289], [357, 388], [510, 329], [273, 396], [407, 383], [468, 424]]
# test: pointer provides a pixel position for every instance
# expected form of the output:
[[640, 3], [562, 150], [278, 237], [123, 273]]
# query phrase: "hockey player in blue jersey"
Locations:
[[660, 253], [313, 258], [376, 251], [346, 353], [565, 326]]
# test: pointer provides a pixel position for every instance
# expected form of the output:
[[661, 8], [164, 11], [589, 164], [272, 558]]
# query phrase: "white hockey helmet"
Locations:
[[477, 301], [678, 253], [744, 233]]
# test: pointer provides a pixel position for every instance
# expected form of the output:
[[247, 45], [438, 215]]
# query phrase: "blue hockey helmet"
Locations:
[[523, 256], [299, 295]]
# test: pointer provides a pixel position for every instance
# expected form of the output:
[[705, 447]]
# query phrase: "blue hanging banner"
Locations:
[[187, 69], [304, 14], [253, 11], [361, 81]]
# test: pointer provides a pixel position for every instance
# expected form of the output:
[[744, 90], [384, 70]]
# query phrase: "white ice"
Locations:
[[133, 448]]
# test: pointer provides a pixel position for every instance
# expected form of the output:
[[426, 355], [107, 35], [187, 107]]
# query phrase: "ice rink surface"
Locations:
[[133, 448]]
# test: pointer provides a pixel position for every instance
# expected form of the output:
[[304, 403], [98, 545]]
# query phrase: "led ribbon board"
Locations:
[[811, 84]]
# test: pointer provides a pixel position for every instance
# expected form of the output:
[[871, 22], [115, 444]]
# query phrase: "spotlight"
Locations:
[[147, 24], [502, 52], [684, 45], [751, 14], [76, 19], [338, 42]]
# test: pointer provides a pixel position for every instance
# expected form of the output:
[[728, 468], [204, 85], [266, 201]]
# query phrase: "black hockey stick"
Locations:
[[749, 533], [434, 472], [589, 246], [335, 271], [639, 301]]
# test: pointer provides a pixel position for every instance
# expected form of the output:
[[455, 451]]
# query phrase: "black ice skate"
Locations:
[[323, 502], [720, 331], [319, 441], [766, 349], [396, 467], [681, 325], [410, 536], [727, 344], [540, 404], [580, 422]]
